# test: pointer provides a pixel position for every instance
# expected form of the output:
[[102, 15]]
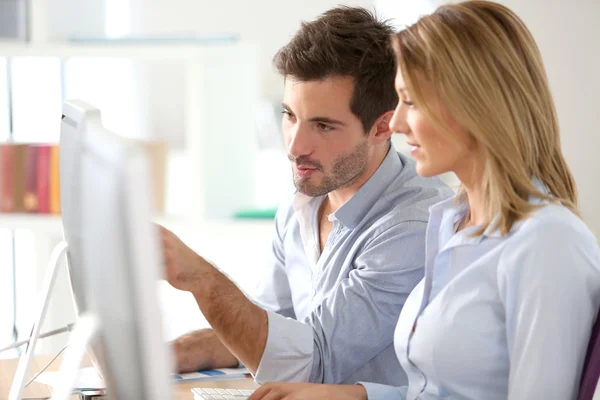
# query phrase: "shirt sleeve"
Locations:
[[376, 391], [356, 321], [273, 290], [549, 284]]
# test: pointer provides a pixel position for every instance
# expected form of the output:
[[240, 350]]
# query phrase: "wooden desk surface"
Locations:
[[37, 390]]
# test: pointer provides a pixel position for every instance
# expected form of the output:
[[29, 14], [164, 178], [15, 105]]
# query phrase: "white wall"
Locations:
[[269, 22]]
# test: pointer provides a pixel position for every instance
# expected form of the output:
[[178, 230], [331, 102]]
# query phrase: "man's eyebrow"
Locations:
[[326, 120]]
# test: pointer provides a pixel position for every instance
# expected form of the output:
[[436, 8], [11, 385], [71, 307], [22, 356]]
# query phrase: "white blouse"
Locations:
[[499, 317]]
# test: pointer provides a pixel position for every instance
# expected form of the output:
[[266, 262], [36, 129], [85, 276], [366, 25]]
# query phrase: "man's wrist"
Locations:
[[205, 279]]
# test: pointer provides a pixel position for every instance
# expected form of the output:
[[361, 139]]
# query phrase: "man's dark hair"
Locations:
[[346, 41]]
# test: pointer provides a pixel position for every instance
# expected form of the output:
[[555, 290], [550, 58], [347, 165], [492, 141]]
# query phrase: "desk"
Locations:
[[37, 390]]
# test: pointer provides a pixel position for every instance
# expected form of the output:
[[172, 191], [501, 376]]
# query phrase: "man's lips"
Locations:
[[305, 171]]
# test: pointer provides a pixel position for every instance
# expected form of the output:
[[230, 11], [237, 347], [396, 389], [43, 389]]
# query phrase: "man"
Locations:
[[349, 246]]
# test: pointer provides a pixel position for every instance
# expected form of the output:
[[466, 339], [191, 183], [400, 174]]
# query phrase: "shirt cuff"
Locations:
[[376, 391], [288, 353]]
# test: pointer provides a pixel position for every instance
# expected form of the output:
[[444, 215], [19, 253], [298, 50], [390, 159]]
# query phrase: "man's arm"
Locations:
[[356, 322], [200, 350], [204, 348], [241, 325]]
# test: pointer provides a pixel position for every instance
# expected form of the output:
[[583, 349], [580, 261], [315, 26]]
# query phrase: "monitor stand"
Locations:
[[18, 384], [82, 336]]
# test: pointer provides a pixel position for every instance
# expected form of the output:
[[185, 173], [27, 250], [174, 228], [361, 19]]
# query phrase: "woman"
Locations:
[[512, 281]]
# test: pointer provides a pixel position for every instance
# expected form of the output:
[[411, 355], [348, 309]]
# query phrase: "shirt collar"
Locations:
[[454, 206], [353, 211], [541, 187]]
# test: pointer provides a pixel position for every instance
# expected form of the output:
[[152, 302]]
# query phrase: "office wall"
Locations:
[[268, 22]]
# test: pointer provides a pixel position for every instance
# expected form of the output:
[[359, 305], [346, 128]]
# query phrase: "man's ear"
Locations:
[[380, 132]]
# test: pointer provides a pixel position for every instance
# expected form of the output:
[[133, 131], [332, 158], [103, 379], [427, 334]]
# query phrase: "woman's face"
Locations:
[[435, 152]]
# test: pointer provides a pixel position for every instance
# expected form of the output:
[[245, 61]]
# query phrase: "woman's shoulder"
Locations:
[[553, 234], [553, 221]]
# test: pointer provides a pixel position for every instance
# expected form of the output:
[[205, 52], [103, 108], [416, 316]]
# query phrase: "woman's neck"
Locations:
[[471, 178]]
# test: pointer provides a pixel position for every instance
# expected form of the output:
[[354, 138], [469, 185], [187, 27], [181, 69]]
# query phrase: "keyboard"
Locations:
[[221, 394]]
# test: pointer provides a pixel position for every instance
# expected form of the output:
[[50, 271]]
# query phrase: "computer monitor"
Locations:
[[76, 114], [75, 117], [118, 259]]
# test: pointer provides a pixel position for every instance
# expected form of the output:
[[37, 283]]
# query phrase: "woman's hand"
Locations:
[[309, 391]]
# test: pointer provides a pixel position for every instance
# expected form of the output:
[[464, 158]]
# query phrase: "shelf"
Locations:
[[52, 224], [212, 77], [182, 52], [45, 223]]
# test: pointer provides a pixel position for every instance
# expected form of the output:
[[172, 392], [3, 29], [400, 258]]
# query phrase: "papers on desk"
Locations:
[[212, 375], [90, 380]]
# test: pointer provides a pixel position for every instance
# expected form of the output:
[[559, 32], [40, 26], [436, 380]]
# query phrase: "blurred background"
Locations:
[[192, 80]]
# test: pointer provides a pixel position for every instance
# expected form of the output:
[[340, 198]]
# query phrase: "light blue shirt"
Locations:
[[332, 314], [499, 317]]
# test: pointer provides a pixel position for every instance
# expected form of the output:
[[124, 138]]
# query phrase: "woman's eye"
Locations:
[[408, 103]]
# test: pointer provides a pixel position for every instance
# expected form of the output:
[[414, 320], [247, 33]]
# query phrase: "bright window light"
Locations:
[[37, 99], [117, 18]]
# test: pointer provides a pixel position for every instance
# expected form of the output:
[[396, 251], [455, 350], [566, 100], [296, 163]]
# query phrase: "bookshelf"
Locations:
[[221, 93], [220, 145]]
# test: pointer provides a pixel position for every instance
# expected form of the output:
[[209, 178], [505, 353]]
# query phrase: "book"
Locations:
[[54, 180], [7, 156], [19, 178], [30, 197], [43, 179]]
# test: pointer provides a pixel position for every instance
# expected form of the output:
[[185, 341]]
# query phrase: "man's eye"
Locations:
[[325, 128]]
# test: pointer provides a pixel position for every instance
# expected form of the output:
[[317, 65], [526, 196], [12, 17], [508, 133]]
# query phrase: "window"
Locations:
[[37, 99], [4, 114]]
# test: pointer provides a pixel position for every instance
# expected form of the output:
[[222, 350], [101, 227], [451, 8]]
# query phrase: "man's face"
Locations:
[[326, 142]]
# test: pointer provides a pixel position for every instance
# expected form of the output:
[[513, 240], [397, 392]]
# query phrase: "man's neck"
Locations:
[[338, 197]]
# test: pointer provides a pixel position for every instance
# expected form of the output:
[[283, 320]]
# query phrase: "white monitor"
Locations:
[[119, 261], [76, 115]]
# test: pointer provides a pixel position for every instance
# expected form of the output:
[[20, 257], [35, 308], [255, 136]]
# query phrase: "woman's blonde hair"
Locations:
[[488, 73]]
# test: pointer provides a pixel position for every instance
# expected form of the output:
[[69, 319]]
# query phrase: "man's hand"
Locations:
[[184, 268], [309, 391], [201, 350]]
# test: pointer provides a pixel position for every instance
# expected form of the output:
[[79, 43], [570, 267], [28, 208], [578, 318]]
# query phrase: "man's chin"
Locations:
[[306, 189]]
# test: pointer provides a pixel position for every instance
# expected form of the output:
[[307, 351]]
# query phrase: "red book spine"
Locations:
[[8, 159], [43, 179], [30, 197]]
